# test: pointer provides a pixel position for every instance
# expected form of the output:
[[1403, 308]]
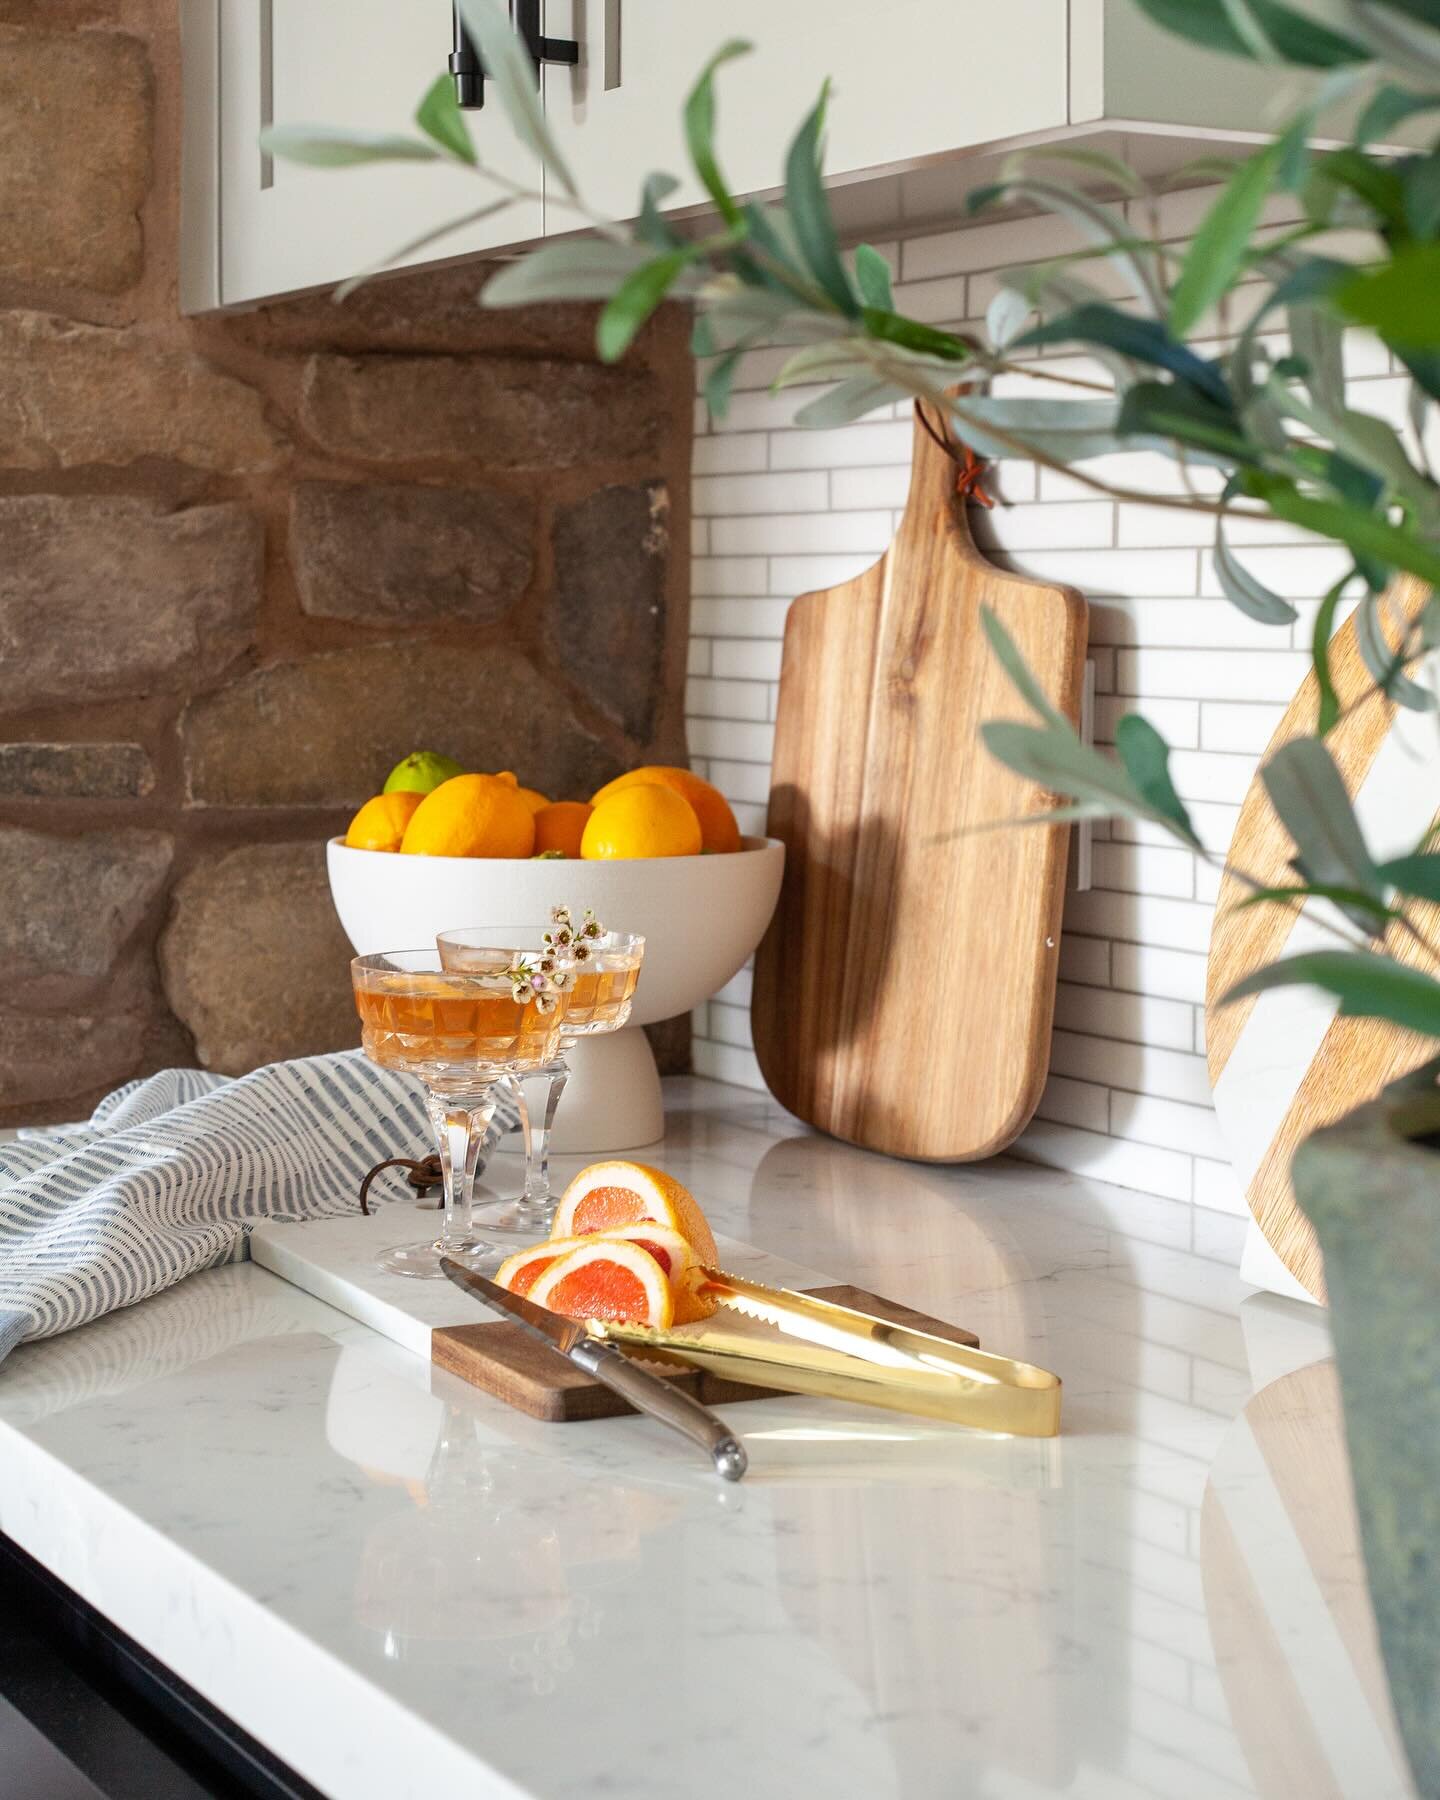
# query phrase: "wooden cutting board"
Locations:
[[1282, 1064], [904, 992], [506, 1361]]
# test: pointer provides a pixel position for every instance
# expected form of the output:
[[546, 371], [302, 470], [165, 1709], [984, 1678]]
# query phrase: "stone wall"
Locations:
[[248, 561]]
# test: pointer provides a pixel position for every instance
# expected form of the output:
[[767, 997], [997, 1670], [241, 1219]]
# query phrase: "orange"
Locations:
[[612, 1194], [643, 820], [380, 823], [607, 1280], [471, 815], [561, 825], [674, 1254], [532, 797], [520, 1272], [718, 830]]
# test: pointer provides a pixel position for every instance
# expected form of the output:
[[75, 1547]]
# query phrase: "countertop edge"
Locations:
[[225, 1643]]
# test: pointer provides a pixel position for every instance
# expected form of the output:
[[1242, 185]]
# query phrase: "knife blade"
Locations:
[[646, 1392]]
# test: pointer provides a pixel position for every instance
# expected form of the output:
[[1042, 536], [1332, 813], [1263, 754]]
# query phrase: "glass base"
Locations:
[[421, 1262], [526, 1219]]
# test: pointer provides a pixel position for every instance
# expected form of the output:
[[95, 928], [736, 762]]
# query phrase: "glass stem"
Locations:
[[460, 1122], [538, 1092]]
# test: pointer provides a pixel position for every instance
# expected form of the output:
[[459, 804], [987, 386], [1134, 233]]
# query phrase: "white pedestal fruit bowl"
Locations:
[[701, 917]]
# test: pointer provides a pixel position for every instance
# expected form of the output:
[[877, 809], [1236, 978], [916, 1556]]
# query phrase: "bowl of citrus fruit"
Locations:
[[656, 851]]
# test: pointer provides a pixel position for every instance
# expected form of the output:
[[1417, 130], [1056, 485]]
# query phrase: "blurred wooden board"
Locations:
[[905, 990], [1282, 1064], [507, 1361]]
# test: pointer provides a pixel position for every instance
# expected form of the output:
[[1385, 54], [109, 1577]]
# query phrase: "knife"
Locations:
[[647, 1393]]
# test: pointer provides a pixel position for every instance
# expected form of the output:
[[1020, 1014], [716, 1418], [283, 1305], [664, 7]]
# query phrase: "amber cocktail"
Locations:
[[461, 1033], [603, 969]]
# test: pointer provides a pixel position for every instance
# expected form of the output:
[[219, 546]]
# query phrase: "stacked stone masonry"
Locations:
[[248, 561]]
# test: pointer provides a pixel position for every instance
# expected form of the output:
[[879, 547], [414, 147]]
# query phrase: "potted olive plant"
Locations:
[[1288, 447]]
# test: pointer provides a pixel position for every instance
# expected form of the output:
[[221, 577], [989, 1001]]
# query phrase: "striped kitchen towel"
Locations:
[[168, 1175]]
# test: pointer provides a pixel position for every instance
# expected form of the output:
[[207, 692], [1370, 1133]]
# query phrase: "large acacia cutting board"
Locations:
[[1283, 1063], [904, 992]]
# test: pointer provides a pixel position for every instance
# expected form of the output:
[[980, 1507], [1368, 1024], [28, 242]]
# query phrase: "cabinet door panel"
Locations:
[[911, 79], [363, 65]]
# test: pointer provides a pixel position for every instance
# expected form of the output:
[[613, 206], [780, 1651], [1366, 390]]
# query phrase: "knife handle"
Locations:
[[664, 1401]]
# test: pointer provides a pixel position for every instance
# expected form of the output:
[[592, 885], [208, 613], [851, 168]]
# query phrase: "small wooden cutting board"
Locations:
[[904, 992], [507, 1361]]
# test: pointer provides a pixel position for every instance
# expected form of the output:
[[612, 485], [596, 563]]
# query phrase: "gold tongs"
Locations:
[[843, 1354]]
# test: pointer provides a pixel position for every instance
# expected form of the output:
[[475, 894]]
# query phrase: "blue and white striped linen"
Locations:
[[169, 1173]]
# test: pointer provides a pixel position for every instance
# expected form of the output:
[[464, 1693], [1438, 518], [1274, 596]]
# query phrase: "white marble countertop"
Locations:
[[405, 1589]]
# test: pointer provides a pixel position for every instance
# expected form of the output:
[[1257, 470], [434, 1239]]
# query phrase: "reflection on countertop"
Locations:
[[404, 1588]]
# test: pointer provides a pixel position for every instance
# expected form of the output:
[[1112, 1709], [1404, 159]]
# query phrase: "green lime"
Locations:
[[549, 856], [421, 772]]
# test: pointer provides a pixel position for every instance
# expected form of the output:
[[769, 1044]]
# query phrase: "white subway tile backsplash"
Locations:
[[741, 780], [937, 302], [1142, 869], [724, 1062], [1099, 572], [729, 576], [725, 700], [863, 445], [781, 511], [1169, 1122], [1245, 729], [1076, 525], [1137, 1068], [801, 534], [733, 453], [1295, 572], [1074, 1103], [988, 246], [1084, 960], [1170, 974], [768, 493], [1139, 1019], [742, 618], [746, 659], [731, 1025], [1128, 1164], [1141, 918], [1177, 623], [1209, 775], [1199, 674], [733, 738], [855, 490], [791, 575], [1177, 721], [1217, 1186]]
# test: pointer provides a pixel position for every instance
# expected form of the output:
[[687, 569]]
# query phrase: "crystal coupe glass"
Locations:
[[604, 970], [461, 1033]]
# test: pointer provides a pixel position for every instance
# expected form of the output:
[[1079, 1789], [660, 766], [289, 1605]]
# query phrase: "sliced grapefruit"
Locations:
[[611, 1194], [607, 1279], [675, 1255], [520, 1272]]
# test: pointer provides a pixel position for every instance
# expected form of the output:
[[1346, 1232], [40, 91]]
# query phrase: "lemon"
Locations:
[[532, 797], [718, 829], [471, 815], [421, 772], [380, 823], [644, 820]]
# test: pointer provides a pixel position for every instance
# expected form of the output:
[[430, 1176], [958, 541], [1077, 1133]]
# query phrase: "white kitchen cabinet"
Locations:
[[927, 97], [910, 80], [360, 64]]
